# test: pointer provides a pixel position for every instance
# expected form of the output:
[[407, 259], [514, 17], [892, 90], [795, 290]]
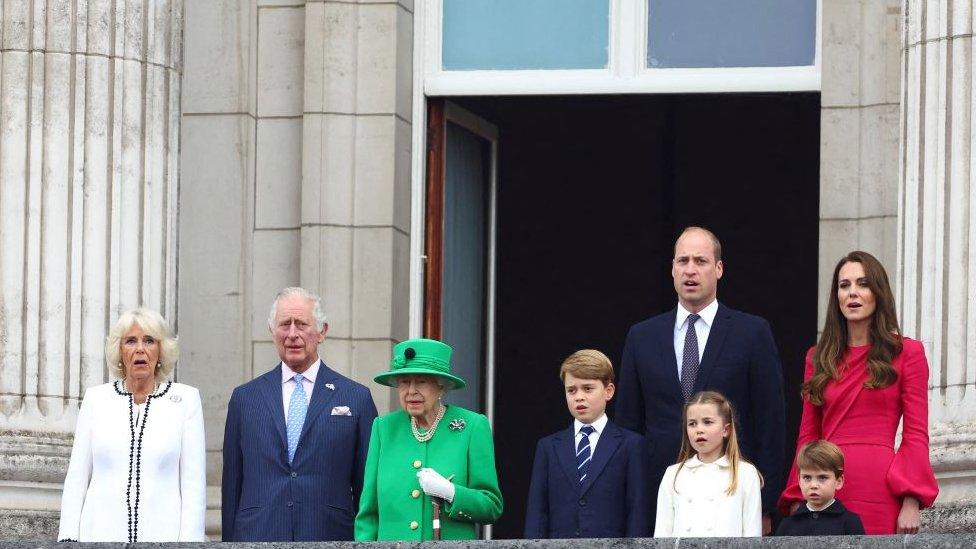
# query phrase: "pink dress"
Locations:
[[863, 423]]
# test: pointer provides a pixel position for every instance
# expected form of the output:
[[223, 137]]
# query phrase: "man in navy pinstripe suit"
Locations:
[[295, 479]]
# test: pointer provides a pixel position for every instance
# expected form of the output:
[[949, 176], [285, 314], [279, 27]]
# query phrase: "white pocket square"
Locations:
[[341, 411]]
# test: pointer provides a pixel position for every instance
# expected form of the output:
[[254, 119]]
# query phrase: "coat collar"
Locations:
[[693, 462]]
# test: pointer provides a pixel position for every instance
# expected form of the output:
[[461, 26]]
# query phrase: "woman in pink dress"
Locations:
[[861, 379]]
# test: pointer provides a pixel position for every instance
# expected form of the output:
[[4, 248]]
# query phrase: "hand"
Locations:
[[767, 528], [794, 507], [434, 484], [908, 518]]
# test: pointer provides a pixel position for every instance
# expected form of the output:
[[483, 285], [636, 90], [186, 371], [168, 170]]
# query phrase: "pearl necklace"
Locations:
[[433, 426]]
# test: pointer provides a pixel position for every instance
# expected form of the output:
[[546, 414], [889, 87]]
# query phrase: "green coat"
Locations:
[[393, 507]]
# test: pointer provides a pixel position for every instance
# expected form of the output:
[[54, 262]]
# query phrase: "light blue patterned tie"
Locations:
[[297, 407]]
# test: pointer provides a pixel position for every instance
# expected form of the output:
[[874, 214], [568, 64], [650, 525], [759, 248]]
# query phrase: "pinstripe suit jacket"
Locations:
[[315, 497]]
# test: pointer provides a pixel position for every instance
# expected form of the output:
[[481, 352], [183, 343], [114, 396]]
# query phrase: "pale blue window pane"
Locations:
[[731, 33], [525, 34]]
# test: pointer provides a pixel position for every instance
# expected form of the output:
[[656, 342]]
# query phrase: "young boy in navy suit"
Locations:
[[588, 481]]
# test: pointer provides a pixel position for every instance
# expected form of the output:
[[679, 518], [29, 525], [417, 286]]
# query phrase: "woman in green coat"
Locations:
[[427, 450]]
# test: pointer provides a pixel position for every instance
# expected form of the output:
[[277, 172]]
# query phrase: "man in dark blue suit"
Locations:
[[725, 350], [588, 481], [296, 437]]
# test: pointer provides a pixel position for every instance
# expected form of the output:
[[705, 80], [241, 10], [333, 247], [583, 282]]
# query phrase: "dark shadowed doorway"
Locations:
[[591, 192]]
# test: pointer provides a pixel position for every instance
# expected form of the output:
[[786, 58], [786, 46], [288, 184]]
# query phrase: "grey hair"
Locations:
[[317, 311], [154, 325]]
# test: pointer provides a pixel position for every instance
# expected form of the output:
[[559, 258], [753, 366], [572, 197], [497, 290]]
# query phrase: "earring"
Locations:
[[159, 365]]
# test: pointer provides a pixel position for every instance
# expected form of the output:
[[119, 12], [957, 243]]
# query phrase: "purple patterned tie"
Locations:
[[689, 359]]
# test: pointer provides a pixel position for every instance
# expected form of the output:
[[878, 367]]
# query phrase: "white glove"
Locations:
[[434, 484]]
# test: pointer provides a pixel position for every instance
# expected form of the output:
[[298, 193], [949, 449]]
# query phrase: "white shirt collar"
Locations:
[[598, 425], [287, 373], [824, 508], [707, 314]]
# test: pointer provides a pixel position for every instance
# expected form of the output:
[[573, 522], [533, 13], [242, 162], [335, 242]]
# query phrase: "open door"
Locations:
[[462, 150]]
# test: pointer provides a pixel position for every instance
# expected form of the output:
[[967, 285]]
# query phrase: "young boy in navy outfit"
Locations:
[[588, 481], [821, 466]]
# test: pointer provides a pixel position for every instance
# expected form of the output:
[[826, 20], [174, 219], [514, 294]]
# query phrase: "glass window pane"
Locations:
[[525, 34], [723, 33]]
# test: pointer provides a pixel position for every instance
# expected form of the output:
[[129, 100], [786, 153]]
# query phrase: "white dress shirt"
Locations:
[[702, 328], [696, 506], [288, 382], [598, 425]]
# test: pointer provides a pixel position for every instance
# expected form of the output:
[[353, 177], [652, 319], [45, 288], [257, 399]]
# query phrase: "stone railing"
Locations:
[[947, 541]]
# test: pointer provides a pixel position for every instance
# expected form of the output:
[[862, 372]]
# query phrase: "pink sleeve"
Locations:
[[911, 473], [810, 430]]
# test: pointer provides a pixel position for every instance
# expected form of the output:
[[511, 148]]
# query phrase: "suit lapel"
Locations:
[[606, 446], [566, 455], [322, 397], [721, 326], [272, 397], [666, 345]]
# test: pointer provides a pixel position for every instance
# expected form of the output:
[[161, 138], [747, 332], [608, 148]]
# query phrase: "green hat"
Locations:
[[421, 357]]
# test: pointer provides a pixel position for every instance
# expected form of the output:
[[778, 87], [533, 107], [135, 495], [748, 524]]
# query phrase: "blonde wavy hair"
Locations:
[[154, 325]]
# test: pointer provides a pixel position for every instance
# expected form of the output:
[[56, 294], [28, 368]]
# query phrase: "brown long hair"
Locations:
[[730, 445], [884, 333]]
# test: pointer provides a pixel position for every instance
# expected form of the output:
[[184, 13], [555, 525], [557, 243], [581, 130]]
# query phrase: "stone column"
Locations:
[[937, 238], [861, 43], [89, 102], [355, 212]]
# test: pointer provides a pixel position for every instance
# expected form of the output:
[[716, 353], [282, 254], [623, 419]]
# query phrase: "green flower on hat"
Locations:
[[421, 357]]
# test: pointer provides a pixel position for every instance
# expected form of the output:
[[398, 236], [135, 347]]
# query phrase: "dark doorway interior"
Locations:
[[592, 191]]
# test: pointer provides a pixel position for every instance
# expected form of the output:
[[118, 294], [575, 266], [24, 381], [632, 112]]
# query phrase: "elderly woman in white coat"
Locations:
[[138, 465]]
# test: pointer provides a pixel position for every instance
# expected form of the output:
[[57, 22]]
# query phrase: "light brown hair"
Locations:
[[716, 245], [884, 333], [821, 455], [730, 445], [588, 364]]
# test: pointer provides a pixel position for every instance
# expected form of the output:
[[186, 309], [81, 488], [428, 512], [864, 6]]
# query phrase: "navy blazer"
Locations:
[[314, 498], [613, 501], [740, 361]]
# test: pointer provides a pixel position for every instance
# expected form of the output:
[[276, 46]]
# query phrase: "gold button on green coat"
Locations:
[[415, 493], [417, 464], [387, 505], [413, 525]]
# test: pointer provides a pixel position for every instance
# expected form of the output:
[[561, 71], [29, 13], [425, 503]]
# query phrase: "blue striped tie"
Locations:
[[583, 454], [297, 408]]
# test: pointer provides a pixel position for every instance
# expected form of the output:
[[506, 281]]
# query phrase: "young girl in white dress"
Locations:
[[712, 491]]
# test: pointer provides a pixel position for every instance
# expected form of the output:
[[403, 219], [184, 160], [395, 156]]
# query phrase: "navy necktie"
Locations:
[[689, 360], [583, 453]]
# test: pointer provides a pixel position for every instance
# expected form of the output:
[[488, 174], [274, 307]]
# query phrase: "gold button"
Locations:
[[415, 493], [413, 525], [416, 464]]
